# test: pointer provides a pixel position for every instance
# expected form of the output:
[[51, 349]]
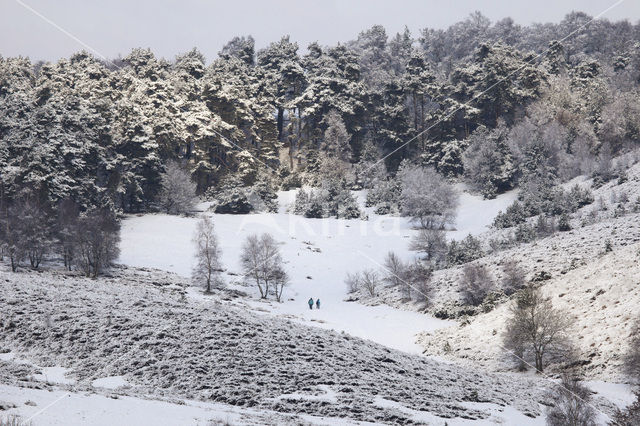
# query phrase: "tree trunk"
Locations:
[[280, 122], [539, 366]]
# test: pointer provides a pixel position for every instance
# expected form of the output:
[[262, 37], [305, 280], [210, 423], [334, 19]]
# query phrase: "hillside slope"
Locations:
[[140, 326], [601, 296]]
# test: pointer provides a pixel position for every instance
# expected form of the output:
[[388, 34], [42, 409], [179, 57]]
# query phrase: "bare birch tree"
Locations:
[[208, 265], [262, 263], [370, 281]]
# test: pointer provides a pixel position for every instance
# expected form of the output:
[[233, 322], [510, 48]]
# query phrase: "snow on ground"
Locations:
[[601, 297], [621, 394], [136, 325], [475, 213], [319, 252], [111, 382], [54, 375], [62, 408]]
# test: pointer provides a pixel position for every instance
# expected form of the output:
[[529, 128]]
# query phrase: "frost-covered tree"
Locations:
[[97, 241], [178, 193], [279, 279], [208, 266], [336, 139], [500, 82], [487, 161], [431, 242], [284, 73], [262, 194], [370, 282], [263, 265], [418, 282], [570, 404], [464, 251], [427, 197], [475, 284], [513, 278], [353, 282], [233, 198], [535, 329], [242, 48], [394, 270]]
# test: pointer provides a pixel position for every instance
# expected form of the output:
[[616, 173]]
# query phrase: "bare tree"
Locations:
[[427, 197], [12, 240], [431, 242], [271, 260], [262, 262], [513, 278], [535, 329], [97, 240], [571, 404], [279, 278], [66, 225], [35, 230], [475, 284], [370, 281], [353, 282], [394, 270], [208, 266], [251, 258], [178, 193], [26, 232], [418, 278]]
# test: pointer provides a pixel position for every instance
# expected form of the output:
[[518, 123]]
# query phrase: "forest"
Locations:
[[497, 105]]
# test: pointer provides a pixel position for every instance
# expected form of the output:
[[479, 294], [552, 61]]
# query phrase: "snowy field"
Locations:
[[319, 253]]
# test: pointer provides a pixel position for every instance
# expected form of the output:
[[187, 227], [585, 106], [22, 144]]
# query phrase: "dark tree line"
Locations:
[[31, 232], [97, 131]]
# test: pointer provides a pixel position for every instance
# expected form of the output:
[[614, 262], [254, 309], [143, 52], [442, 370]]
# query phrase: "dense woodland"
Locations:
[[497, 104]]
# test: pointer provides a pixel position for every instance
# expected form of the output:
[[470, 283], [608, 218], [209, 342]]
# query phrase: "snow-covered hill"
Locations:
[[599, 290], [136, 326]]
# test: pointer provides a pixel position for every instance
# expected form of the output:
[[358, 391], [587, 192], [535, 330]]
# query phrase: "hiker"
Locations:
[[318, 303], [311, 303]]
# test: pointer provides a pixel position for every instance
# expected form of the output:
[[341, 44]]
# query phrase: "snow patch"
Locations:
[[111, 382]]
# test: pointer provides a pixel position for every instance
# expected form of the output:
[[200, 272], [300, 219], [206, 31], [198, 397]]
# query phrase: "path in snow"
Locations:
[[319, 253]]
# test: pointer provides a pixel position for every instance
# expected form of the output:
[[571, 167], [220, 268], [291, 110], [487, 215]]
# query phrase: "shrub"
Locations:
[[475, 284], [513, 278], [465, 251], [570, 404], [546, 201]]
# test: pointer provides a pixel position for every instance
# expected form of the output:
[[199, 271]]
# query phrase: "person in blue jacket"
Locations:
[[318, 303], [311, 303]]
